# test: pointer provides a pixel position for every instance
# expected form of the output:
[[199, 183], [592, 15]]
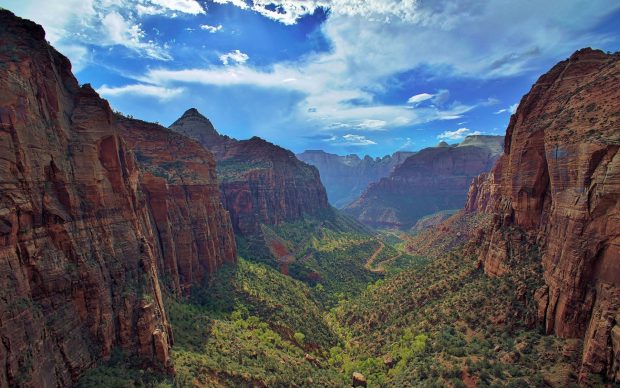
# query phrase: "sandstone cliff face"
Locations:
[[261, 183], [557, 188], [80, 260], [346, 177], [193, 231], [432, 180]]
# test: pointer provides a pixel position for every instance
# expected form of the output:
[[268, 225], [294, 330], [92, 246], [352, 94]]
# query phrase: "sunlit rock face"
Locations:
[[558, 186]]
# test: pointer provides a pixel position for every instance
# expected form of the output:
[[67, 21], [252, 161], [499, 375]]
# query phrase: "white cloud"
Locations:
[[511, 109], [356, 140], [211, 29], [73, 25], [408, 143], [191, 7], [458, 134], [418, 98], [371, 124], [477, 39], [124, 32], [158, 92], [368, 50], [234, 56]]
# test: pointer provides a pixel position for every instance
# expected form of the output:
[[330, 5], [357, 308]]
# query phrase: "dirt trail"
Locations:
[[380, 267]]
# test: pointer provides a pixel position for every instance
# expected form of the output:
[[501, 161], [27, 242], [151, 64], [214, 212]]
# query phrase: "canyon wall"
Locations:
[[82, 243], [556, 188], [261, 183], [432, 180]]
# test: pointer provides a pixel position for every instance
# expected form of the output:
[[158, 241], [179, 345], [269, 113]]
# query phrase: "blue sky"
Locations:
[[347, 76]]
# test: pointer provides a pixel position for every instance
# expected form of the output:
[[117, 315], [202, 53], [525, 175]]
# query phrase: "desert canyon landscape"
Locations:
[[238, 193]]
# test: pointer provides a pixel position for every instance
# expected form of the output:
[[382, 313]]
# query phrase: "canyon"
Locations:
[[119, 263]]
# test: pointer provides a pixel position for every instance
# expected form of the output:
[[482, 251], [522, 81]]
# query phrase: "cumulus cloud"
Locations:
[[161, 93], [211, 29], [191, 7], [234, 56], [124, 32], [476, 38], [458, 134], [418, 98], [73, 25]]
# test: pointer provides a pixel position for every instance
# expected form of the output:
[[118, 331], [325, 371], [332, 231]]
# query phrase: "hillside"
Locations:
[[556, 189]]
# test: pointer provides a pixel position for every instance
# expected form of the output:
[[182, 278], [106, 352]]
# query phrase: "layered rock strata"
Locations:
[[557, 188]]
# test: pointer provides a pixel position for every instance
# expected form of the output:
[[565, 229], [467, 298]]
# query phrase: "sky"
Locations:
[[346, 76]]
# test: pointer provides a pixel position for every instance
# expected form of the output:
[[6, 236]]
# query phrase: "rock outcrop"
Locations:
[[430, 181], [557, 189], [193, 231], [261, 183], [346, 177], [81, 250]]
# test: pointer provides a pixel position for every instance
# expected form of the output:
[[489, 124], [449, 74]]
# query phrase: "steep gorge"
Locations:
[[556, 189], [88, 235]]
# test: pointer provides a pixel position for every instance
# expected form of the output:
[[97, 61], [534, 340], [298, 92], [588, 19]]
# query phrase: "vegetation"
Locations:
[[429, 319]]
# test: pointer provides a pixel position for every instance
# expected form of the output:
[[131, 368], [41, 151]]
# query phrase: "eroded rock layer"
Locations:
[[557, 187], [81, 251], [261, 183], [432, 180]]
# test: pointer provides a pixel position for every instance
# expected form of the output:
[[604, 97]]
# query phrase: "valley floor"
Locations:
[[401, 310]]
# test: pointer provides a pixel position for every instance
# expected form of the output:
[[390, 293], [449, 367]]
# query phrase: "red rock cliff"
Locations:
[[427, 182], [193, 231], [81, 249], [261, 183], [557, 187]]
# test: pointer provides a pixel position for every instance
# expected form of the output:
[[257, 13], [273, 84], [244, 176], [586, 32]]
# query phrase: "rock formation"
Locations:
[[261, 183], [430, 181], [83, 225], [346, 177], [194, 234], [556, 191]]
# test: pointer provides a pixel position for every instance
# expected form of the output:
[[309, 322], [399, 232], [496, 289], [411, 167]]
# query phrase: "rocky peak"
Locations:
[[196, 126], [495, 144], [443, 144]]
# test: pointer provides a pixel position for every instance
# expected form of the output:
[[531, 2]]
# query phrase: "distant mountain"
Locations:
[[261, 183], [432, 180], [346, 177]]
